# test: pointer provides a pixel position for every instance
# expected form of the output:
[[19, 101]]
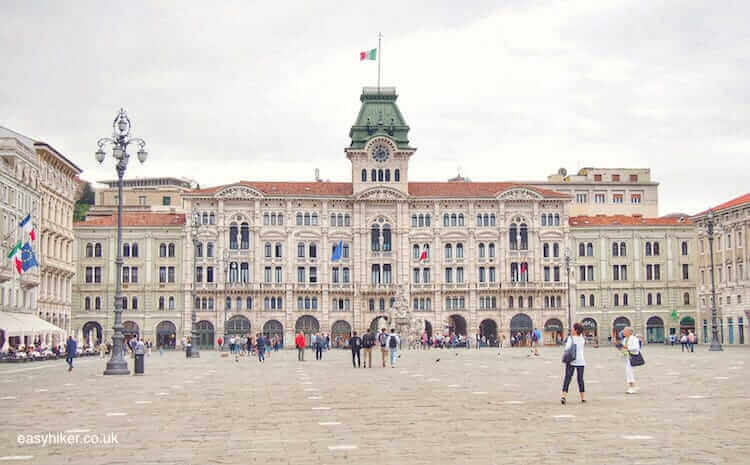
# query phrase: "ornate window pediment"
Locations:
[[519, 193], [239, 192], [382, 193]]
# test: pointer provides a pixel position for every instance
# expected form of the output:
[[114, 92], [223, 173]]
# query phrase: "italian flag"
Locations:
[[368, 55], [423, 256], [27, 227], [15, 255]]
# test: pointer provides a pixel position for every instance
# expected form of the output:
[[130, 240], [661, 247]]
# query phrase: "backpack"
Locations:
[[381, 338], [533, 336], [392, 342]]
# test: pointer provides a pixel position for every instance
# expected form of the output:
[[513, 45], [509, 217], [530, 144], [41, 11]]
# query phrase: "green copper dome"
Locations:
[[379, 116]]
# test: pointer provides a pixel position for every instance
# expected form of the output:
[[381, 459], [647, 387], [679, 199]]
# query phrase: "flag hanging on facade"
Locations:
[[369, 55], [337, 251], [27, 257], [15, 255], [674, 315], [27, 227], [524, 267], [423, 256]]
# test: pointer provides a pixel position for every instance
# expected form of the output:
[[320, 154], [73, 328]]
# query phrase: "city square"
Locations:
[[472, 406]]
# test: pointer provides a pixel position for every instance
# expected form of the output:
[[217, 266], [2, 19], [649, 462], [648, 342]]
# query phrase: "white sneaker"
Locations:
[[630, 391]]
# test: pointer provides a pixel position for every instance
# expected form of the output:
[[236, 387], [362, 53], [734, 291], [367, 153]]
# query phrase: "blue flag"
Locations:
[[337, 251], [28, 259]]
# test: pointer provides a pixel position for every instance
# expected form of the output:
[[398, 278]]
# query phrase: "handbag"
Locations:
[[636, 360], [570, 353]]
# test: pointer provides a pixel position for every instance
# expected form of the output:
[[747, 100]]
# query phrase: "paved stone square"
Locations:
[[470, 407]]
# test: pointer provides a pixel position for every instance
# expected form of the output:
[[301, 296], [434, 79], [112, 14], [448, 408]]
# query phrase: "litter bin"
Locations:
[[139, 361]]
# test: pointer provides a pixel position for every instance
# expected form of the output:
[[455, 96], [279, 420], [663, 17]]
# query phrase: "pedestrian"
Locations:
[[691, 340], [684, 341], [368, 341], [535, 342], [479, 341], [70, 352], [393, 343], [318, 344], [577, 364], [356, 344], [299, 343], [383, 340], [261, 341], [221, 343], [630, 346]]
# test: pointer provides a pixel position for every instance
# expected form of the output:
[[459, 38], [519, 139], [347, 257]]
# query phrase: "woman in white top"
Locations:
[[578, 364], [630, 345]]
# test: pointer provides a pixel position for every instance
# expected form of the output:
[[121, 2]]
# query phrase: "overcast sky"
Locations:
[[506, 90]]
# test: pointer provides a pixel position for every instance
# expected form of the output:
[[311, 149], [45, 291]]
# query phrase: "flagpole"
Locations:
[[379, 55]]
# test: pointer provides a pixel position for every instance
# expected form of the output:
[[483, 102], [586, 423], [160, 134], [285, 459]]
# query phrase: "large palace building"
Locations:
[[470, 257]]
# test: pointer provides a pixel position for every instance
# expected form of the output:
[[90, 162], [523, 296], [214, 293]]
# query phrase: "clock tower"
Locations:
[[379, 151]]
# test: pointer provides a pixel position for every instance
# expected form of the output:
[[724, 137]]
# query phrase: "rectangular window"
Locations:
[[635, 198], [597, 177], [459, 275], [482, 276], [198, 274], [581, 198], [97, 274], [416, 275], [615, 178], [162, 274], [589, 273], [89, 274], [615, 272], [492, 274], [633, 178], [557, 274], [209, 274], [279, 274], [141, 200], [387, 274], [313, 274], [449, 275], [301, 274], [170, 274], [547, 274], [166, 200], [617, 198], [267, 274], [335, 275], [599, 198], [685, 274]]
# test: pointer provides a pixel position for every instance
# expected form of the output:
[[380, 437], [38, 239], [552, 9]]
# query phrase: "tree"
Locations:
[[84, 200]]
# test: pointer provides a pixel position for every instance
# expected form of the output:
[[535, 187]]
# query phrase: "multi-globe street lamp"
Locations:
[[120, 141], [195, 227], [568, 260], [715, 344]]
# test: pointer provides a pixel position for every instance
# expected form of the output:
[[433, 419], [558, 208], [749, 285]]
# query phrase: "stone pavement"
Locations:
[[471, 407]]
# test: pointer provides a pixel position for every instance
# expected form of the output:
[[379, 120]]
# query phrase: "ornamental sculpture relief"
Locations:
[[519, 194], [382, 194], [239, 193]]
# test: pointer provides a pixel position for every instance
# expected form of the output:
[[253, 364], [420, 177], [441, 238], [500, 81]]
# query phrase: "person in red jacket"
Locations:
[[299, 341]]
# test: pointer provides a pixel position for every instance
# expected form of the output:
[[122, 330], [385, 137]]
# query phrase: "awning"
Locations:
[[26, 324]]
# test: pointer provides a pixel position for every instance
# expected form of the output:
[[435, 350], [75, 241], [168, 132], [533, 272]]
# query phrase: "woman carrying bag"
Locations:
[[631, 350], [574, 361]]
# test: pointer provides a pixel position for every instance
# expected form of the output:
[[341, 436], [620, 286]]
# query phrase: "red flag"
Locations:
[[423, 257], [524, 266]]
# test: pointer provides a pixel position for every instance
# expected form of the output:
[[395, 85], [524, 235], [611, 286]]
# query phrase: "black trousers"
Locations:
[[569, 375], [318, 351], [356, 356]]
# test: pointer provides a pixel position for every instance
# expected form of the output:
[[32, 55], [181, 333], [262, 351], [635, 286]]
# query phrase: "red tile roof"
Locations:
[[625, 220], [741, 200], [134, 220], [416, 189]]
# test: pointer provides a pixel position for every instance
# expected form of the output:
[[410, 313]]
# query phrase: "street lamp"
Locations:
[[120, 141], [715, 344], [195, 227], [568, 260]]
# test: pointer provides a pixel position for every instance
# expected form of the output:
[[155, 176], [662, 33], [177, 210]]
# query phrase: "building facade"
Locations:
[[161, 195], [152, 277], [731, 260]]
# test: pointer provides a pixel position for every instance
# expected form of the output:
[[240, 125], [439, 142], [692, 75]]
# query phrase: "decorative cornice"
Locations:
[[238, 193]]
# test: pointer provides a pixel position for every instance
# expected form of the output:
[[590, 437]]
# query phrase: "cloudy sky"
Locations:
[[505, 90]]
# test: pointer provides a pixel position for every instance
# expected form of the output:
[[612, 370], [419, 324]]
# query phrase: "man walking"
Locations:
[[70, 351], [393, 343], [368, 341], [318, 346], [299, 342], [383, 340], [691, 340], [261, 342], [356, 344]]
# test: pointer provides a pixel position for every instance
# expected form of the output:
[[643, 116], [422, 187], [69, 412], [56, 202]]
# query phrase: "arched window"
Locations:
[[307, 219], [314, 218], [397, 175], [520, 302], [89, 250], [245, 236], [301, 250], [415, 251], [486, 219], [481, 250], [581, 249], [233, 272], [624, 300], [364, 175], [413, 221], [126, 250], [87, 303], [211, 218], [544, 223], [555, 250], [623, 250], [244, 272], [510, 302], [134, 249], [649, 299], [460, 219], [617, 300], [299, 219], [491, 250], [162, 302], [686, 298], [374, 175], [524, 237], [380, 175], [387, 175], [134, 303], [277, 250], [546, 297], [684, 248], [448, 251], [382, 304], [492, 220], [375, 238], [658, 298], [479, 220], [446, 220], [615, 250], [171, 249], [249, 303], [656, 248], [313, 250], [583, 300], [545, 250], [386, 238], [530, 302], [347, 220], [162, 250], [557, 219], [589, 249], [454, 220], [98, 303], [267, 250], [648, 248], [591, 300], [233, 244], [459, 250], [171, 303], [513, 236], [420, 221]]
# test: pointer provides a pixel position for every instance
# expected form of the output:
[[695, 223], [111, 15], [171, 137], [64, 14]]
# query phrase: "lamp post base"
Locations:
[[117, 367], [715, 346]]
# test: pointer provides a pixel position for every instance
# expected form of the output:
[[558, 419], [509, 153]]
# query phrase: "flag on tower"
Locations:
[[368, 55], [27, 227], [15, 255]]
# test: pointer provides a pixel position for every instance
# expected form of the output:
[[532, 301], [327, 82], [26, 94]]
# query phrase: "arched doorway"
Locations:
[[205, 335], [457, 325], [428, 328], [238, 325], [618, 325], [488, 329], [340, 333], [590, 330], [274, 329], [166, 335], [687, 324], [553, 331], [520, 329], [130, 330], [378, 323], [308, 325], [92, 333], [655, 330]]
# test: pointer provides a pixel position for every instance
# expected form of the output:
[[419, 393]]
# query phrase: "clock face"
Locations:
[[381, 153]]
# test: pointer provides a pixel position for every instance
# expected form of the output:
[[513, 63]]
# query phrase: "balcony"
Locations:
[[6, 271], [455, 286], [201, 286], [554, 285]]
